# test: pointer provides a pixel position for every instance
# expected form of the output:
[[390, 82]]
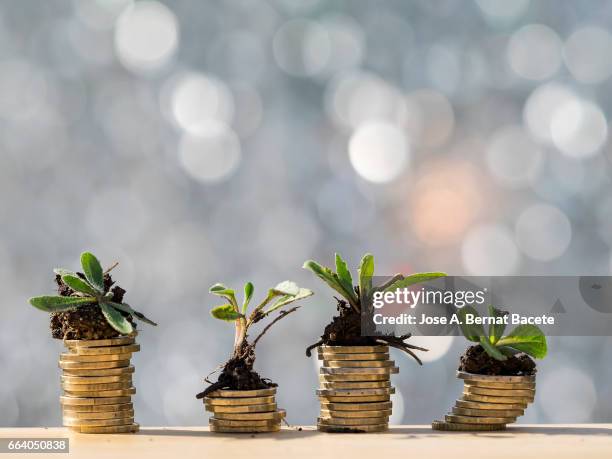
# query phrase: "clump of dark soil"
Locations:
[[345, 330], [238, 374], [476, 360], [86, 322]]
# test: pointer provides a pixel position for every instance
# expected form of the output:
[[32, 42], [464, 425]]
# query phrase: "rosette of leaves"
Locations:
[[345, 329], [89, 289], [527, 339], [237, 372]]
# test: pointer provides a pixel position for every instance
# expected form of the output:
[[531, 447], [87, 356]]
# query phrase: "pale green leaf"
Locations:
[[344, 275], [115, 319], [79, 285], [413, 279], [472, 332], [287, 299], [92, 270], [225, 312], [528, 339], [496, 331], [59, 303], [127, 308], [366, 271], [248, 294], [331, 279], [491, 350]]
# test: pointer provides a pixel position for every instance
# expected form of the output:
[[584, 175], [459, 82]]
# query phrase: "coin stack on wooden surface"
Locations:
[[97, 385], [355, 392], [489, 402], [244, 411]]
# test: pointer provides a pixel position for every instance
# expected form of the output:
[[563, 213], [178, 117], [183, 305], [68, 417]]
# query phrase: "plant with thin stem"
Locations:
[[88, 288], [358, 297], [524, 338]]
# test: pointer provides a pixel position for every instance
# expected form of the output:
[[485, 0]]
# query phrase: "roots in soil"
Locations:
[[86, 322], [476, 360], [238, 374], [345, 330]]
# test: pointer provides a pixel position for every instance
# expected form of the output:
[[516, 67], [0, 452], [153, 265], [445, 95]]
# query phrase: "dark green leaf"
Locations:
[[115, 319], [496, 331], [127, 308], [528, 339], [248, 294], [79, 285], [366, 271], [225, 312], [491, 350], [472, 332], [93, 270], [59, 303]]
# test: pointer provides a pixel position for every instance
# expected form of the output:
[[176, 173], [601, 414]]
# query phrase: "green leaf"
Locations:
[[59, 303], [127, 308], [116, 320], [528, 339], [79, 285], [62, 272], [496, 331], [413, 279], [331, 279], [286, 288], [225, 312], [93, 271], [366, 271], [287, 299], [491, 350], [248, 294], [472, 332], [344, 275], [227, 293]]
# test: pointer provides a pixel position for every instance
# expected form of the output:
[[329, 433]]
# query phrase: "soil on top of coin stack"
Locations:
[[86, 322], [238, 374], [475, 360]]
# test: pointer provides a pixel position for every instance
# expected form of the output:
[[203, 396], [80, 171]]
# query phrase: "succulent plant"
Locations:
[[524, 338], [358, 297], [89, 289]]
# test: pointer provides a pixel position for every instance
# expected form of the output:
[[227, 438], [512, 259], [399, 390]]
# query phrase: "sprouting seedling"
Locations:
[[283, 294], [524, 338], [357, 296], [89, 289]]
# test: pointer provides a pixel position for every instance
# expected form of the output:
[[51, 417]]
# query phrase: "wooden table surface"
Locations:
[[518, 442]]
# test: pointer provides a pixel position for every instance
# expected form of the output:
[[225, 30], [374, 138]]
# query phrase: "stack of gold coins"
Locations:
[[244, 411], [489, 402], [97, 385], [355, 392]]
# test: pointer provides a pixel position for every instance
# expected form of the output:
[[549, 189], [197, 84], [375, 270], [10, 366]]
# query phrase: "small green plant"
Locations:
[[524, 338], [88, 288], [237, 373], [346, 328]]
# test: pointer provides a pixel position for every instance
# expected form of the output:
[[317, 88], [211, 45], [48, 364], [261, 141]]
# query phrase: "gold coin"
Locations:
[[87, 380], [90, 409], [353, 377], [367, 356], [106, 430], [485, 413], [66, 400], [500, 385], [355, 399], [501, 392], [355, 392], [490, 406], [356, 385], [217, 401], [478, 420], [243, 423], [241, 409], [352, 421], [457, 427], [93, 387], [270, 415], [251, 429], [94, 365], [94, 358], [102, 393], [353, 349], [491, 399], [243, 393], [358, 363], [109, 350], [372, 406], [352, 429], [93, 372], [509, 379], [73, 422], [357, 371], [120, 341], [103, 415], [355, 414]]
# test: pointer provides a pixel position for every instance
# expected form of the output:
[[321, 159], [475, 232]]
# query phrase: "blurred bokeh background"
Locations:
[[202, 141]]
